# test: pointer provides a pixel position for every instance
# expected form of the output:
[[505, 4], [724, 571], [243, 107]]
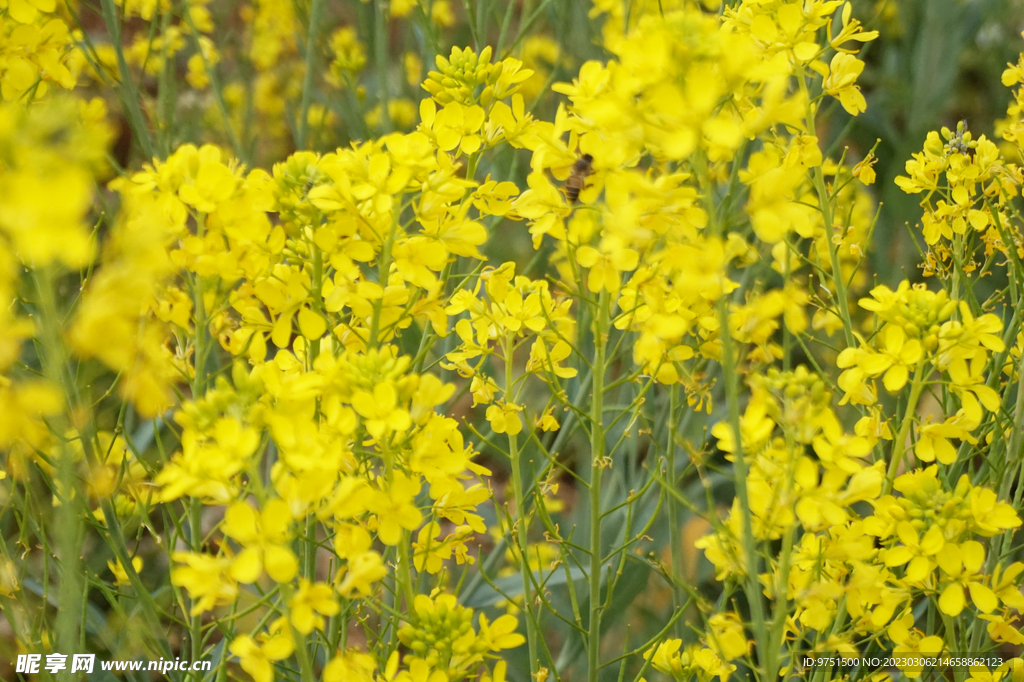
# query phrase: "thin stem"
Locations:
[[1017, 431], [781, 602], [315, 10], [675, 532], [316, 295], [751, 585], [305, 664], [195, 626], [597, 464], [383, 272], [522, 524], [405, 571], [127, 91], [899, 445], [218, 90], [69, 522], [165, 97], [195, 509], [380, 43], [825, 206]]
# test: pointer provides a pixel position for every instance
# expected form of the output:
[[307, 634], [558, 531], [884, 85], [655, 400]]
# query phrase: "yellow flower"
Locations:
[[693, 661], [728, 636], [933, 440], [961, 340], [1004, 584], [362, 571], [430, 551], [460, 237], [418, 258], [395, 507], [896, 357], [120, 574], [919, 551], [207, 181], [547, 422], [8, 578], [349, 55], [258, 659], [915, 642], [756, 427], [483, 390], [350, 666], [501, 634], [607, 265], [504, 418], [968, 381], [264, 536], [865, 170], [252, 658], [840, 82], [308, 606], [989, 516], [207, 578], [962, 568], [455, 126], [380, 410], [516, 123]]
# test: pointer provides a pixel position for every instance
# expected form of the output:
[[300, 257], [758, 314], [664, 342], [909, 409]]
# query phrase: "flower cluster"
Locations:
[[915, 335], [38, 50], [318, 413]]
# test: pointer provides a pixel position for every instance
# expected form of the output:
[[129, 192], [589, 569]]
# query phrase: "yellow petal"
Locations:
[[282, 332], [312, 325], [246, 567], [281, 563], [952, 600]]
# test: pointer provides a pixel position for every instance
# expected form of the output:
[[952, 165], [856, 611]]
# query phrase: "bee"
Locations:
[[578, 177]]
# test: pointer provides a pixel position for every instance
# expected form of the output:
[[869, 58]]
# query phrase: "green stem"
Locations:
[[597, 464], [309, 549], [58, 369], [195, 509], [381, 27], [69, 522], [751, 584], [201, 322], [842, 304], [405, 570], [383, 272], [127, 91], [316, 295], [315, 11], [471, 165], [195, 626], [825, 207], [787, 339], [305, 663], [165, 98], [1013, 453], [958, 261], [780, 602], [675, 532], [218, 91], [949, 636], [521, 528], [152, 612], [899, 450]]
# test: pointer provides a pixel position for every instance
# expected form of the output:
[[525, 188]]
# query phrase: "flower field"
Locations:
[[511, 341]]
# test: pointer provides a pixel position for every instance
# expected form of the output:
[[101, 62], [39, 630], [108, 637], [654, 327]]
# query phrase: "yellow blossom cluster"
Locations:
[[321, 421], [38, 50], [918, 545]]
